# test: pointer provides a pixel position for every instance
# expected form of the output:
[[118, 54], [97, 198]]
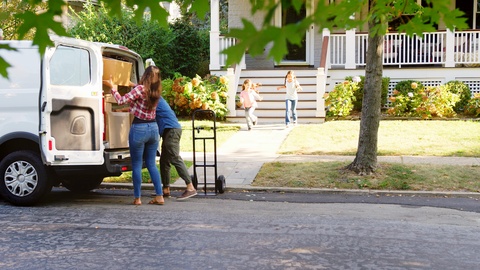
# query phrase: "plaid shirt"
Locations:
[[138, 103]]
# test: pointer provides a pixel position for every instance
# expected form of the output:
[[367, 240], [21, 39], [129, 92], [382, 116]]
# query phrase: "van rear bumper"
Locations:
[[111, 167]]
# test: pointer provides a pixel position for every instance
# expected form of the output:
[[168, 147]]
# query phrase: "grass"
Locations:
[[396, 138], [389, 176], [204, 129], [431, 138]]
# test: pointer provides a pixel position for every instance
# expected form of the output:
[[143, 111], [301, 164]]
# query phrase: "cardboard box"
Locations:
[[120, 71]]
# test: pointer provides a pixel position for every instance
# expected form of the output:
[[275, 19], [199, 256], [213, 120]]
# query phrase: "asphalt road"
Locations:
[[241, 230]]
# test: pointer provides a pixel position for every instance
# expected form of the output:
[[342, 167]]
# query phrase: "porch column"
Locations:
[[449, 49], [321, 85], [214, 35], [232, 91], [326, 33], [350, 49]]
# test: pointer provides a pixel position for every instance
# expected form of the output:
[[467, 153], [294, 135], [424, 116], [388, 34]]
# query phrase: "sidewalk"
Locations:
[[241, 157]]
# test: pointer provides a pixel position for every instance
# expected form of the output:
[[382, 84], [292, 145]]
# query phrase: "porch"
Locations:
[[433, 59]]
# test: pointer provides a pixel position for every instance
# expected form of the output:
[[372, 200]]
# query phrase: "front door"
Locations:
[[298, 54]]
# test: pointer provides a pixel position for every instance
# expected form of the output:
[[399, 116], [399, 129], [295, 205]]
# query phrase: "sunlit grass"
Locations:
[[430, 138], [389, 176]]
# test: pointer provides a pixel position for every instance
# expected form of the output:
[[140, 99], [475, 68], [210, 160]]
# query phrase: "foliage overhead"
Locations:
[[332, 16], [250, 38]]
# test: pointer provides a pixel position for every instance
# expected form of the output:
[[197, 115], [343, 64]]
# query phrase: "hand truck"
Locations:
[[204, 132]]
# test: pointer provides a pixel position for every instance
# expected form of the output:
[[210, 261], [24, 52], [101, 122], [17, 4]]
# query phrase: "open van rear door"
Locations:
[[71, 112]]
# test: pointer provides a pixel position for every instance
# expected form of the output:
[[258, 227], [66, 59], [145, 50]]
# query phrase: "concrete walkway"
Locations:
[[241, 157]]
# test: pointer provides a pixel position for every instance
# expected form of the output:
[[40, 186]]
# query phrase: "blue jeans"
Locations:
[[143, 141], [291, 105]]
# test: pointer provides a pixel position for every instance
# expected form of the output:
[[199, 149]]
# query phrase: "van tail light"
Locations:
[[124, 168], [50, 145]]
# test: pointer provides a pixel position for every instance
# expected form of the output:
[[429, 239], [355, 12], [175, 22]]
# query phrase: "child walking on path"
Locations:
[[291, 98], [249, 97]]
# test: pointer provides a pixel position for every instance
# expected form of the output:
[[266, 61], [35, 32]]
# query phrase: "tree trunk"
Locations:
[[365, 161]]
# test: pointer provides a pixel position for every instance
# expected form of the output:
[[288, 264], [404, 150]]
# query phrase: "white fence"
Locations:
[[445, 48], [224, 44]]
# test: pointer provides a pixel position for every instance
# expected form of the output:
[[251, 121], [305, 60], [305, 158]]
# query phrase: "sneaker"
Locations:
[[249, 128], [255, 122], [288, 125], [187, 194]]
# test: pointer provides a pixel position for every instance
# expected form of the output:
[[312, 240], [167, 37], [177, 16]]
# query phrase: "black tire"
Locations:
[[220, 184], [82, 184], [24, 180], [194, 181]]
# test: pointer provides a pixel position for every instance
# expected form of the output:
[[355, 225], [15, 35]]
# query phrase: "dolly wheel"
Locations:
[[220, 184]]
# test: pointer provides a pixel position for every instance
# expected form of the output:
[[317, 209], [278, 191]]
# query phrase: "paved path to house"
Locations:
[[241, 157]]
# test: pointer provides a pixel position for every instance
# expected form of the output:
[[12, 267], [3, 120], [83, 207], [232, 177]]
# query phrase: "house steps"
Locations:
[[272, 108]]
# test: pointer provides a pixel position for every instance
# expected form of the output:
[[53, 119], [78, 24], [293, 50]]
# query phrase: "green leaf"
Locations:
[[4, 65], [201, 7], [158, 13]]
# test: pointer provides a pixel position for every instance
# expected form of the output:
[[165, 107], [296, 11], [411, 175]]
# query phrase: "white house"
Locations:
[[326, 58]]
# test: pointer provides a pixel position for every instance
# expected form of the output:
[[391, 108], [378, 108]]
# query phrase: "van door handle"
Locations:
[[44, 105]]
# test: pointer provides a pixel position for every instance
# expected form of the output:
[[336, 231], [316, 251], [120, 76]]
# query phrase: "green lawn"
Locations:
[[416, 138]]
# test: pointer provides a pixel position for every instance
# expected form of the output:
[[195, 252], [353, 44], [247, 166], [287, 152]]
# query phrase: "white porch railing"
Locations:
[[447, 48], [225, 43]]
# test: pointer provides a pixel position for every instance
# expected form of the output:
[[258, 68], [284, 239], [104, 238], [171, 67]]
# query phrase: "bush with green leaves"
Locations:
[[473, 105], [339, 102], [412, 99], [461, 89], [178, 48], [405, 98], [357, 103], [185, 94], [188, 50]]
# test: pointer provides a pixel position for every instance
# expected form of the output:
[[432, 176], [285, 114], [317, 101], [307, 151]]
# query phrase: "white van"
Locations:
[[57, 127]]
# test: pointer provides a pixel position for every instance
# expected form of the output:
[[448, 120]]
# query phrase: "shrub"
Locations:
[[187, 50], [410, 98], [473, 106], [186, 95], [463, 91], [339, 102], [179, 48], [405, 98], [357, 103]]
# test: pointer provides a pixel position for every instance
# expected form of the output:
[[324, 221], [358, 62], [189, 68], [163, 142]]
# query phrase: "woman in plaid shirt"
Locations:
[[143, 137]]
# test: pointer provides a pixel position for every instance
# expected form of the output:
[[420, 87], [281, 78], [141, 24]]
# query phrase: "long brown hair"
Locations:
[[152, 85], [294, 78]]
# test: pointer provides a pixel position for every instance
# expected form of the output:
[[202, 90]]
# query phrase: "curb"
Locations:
[[244, 188]]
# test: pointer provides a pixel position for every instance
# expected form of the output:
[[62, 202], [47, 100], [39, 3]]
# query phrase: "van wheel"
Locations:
[[82, 184], [23, 178]]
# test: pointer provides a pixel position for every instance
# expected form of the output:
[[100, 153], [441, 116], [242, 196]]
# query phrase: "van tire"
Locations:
[[82, 184], [23, 178]]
